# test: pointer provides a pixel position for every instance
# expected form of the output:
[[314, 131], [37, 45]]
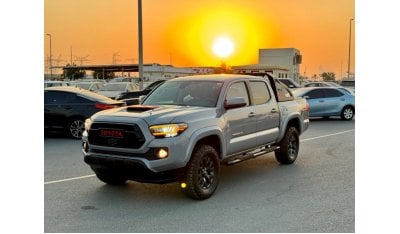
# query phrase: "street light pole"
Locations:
[[348, 65], [140, 44], [51, 66]]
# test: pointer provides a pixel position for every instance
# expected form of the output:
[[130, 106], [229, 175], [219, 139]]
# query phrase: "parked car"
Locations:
[[88, 85], [53, 83], [124, 79], [328, 101], [328, 84], [321, 84], [112, 90], [350, 84], [66, 108], [131, 98], [290, 83]]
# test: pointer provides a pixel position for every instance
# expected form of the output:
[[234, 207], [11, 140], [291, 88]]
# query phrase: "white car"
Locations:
[[88, 85], [114, 89], [53, 83]]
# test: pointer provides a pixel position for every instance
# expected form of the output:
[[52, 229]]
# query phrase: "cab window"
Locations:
[[238, 90], [260, 93]]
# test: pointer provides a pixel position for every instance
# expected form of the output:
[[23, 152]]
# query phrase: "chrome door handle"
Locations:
[[251, 114], [274, 110]]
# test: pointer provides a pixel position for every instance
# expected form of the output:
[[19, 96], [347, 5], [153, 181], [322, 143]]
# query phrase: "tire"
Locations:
[[75, 128], [347, 113], [110, 178], [202, 173], [289, 147]]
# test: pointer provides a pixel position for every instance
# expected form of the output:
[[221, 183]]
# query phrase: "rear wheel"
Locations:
[[75, 128], [202, 173], [289, 147], [347, 113]]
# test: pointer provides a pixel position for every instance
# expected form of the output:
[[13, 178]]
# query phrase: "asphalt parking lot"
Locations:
[[315, 194]]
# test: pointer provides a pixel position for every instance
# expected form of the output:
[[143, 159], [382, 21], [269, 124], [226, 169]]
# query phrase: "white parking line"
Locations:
[[333, 134], [88, 176], [69, 179]]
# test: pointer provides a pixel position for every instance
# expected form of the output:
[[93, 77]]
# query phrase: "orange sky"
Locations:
[[183, 31]]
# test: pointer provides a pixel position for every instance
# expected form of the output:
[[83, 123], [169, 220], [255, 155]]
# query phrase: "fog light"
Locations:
[[162, 153], [183, 185]]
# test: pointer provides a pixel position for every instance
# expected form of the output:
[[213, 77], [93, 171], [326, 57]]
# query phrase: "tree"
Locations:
[[73, 73], [98, 74], [223, 69], [328, 76]]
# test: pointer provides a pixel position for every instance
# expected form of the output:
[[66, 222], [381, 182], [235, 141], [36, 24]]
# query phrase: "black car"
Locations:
[[67, 108], [131, 98]]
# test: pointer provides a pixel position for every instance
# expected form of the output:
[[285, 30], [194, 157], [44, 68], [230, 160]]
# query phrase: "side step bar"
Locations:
[[249, 155]]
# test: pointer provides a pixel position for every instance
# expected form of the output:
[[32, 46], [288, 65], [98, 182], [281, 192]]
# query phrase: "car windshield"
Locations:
[[114, 87], [186, 93]]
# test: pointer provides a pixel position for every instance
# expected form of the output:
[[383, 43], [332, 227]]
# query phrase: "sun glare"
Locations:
[[223, 47]]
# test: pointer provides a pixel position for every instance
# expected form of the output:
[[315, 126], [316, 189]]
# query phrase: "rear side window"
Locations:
[[54, 97], [260, 93], [332, 93], [314, 94], [283, 93]]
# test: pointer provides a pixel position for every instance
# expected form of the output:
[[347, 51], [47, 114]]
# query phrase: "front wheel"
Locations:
[[289, 147], [202, 173]]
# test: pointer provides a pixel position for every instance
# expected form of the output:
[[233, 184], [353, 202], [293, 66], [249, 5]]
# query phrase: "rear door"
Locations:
[[266, 112], [334, 100], [56, 111], [241, 121], [315, 99]]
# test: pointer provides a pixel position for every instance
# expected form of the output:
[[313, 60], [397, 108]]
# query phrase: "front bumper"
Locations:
[[140, 163], [132, 169]]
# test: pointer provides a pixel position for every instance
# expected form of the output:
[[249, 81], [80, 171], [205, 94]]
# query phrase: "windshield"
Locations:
[[114, 87], [186, 93]]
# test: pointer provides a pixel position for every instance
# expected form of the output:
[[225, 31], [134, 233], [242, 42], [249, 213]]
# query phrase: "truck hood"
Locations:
[[157, 114]]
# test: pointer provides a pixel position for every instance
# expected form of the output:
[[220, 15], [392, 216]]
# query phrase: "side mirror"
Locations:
[[141, 98], [306, 97], [235, 102], [291, 86]]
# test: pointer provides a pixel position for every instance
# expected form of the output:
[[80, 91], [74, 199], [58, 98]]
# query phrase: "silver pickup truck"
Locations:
[[187, 127]]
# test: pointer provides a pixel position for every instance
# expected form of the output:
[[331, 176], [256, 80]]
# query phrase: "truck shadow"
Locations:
[[242, 178]]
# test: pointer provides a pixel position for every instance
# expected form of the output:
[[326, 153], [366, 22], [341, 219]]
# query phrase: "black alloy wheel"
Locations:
[[288, 147], [202, 173]]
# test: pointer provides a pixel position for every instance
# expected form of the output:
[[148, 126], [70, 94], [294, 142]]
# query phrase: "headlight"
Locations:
[[167, 130], [88, 123]]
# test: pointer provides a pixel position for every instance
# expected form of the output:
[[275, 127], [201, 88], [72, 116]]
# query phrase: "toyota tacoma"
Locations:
[[188, 127]]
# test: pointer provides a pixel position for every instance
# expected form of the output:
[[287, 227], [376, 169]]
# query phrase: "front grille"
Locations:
[[132, 135]]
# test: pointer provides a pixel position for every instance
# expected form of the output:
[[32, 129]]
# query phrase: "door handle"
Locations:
[[274, 110], [251, 114], [321, 101]]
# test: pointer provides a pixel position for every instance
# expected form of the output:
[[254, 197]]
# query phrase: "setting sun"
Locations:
[[223, 47]]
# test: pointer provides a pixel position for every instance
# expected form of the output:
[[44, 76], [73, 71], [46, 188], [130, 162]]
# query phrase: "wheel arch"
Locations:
[[208, 136], [292, 122]]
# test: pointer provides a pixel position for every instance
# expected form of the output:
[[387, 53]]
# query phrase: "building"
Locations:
[[281, 62], [156, 71], [151, 72], [261, 70]]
